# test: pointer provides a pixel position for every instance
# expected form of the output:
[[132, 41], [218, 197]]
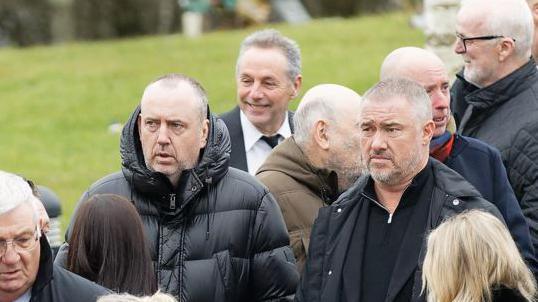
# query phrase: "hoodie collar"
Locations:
[[44, 273]]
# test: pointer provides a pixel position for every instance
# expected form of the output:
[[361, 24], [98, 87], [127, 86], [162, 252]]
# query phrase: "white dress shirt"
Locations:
[[257, 150], [25, 297]]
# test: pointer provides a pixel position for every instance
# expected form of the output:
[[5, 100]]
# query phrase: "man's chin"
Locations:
[[439, 131], [12, 286], [257, 118], [166, 169]]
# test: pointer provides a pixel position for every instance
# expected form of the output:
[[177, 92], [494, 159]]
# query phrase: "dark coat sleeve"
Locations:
[[522, 163], [507, 203], [274, 276], [309, 289]]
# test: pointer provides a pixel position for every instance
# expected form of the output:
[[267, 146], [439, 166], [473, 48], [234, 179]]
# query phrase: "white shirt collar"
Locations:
[[25, 297], [251, 134]]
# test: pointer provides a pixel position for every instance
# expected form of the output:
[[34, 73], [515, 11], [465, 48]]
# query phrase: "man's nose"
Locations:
[[163, 137], [458, 47], [11, 256], [439, 100], [379, 141], [256, 91]]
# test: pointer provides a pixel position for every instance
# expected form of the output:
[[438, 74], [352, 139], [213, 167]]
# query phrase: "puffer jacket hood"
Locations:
[[212, 165]]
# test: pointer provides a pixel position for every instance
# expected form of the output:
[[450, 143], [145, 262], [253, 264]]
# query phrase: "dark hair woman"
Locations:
[[108, 246]]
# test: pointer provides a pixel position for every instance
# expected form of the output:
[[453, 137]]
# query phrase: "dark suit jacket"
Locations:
[[232, 119]]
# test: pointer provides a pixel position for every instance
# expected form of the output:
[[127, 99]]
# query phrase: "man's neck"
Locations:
[[174, 179], [272, 128], [390, 195]]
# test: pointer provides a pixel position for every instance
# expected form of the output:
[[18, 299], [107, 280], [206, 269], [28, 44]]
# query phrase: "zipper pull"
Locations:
[[390, 218], [172, 201]]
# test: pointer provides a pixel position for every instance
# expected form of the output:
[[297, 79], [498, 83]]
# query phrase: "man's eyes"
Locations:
[[176, 125], [246, 81]]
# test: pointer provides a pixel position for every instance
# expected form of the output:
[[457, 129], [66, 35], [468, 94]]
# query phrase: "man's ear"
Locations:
[[205, 133], [297, 83], [506, 48], [427, 132], [321, 134]]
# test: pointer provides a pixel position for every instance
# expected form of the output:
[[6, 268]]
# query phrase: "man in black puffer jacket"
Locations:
[[216, 234]]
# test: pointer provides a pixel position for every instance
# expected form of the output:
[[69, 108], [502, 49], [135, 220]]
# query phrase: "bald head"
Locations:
[[333, 94], [178, 86], [324, 101], [409, 62], [429, 71], [327, 131]]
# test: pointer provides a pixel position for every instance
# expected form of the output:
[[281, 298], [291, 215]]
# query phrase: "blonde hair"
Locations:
[[157, 297], [468, 255]]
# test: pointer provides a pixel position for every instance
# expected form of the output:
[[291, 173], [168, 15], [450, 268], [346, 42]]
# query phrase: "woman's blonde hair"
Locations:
[[468, 255], [157, 297]]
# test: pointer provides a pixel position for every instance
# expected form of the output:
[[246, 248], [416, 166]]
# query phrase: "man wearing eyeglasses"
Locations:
[[495, 96], [26, 269]]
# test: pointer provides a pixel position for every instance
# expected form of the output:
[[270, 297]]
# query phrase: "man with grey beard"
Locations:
[[367, 246], [322, 159]]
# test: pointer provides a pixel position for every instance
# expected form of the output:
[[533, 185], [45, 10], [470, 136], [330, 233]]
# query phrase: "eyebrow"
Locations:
[[390, 124]]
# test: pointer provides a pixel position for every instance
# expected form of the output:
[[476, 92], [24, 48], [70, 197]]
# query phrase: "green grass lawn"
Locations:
[[57, 102]]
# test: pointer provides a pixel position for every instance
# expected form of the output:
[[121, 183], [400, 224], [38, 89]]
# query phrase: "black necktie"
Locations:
[[272, 141]]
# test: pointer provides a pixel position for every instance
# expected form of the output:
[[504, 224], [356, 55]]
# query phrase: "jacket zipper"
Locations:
[[181, 260], [380, 205], [172, 201]]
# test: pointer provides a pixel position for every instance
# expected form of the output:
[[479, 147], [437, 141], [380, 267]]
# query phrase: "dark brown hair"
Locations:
[[108, 246]]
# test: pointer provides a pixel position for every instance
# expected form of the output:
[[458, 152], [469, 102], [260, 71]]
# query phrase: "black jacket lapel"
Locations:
[[238, 157]]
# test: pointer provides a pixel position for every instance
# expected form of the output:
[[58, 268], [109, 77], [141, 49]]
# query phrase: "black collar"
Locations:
[[502, 90], [44, 273]]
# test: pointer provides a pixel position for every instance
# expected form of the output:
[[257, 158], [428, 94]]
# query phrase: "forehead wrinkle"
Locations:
[[16, 230]]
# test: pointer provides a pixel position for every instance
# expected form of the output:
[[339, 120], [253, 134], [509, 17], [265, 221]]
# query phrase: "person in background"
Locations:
[[215, 233], [108, 246], [322, 159], [27, 272], [479, 163], [471, 257], [268, 77], [495, 96], [367, 245]]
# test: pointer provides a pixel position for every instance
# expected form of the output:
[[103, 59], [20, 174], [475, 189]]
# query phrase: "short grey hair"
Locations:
[[509, 18], [410, 90], [271, 38], [307, 115], [157, 297], [171, 80], [16, 191]]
